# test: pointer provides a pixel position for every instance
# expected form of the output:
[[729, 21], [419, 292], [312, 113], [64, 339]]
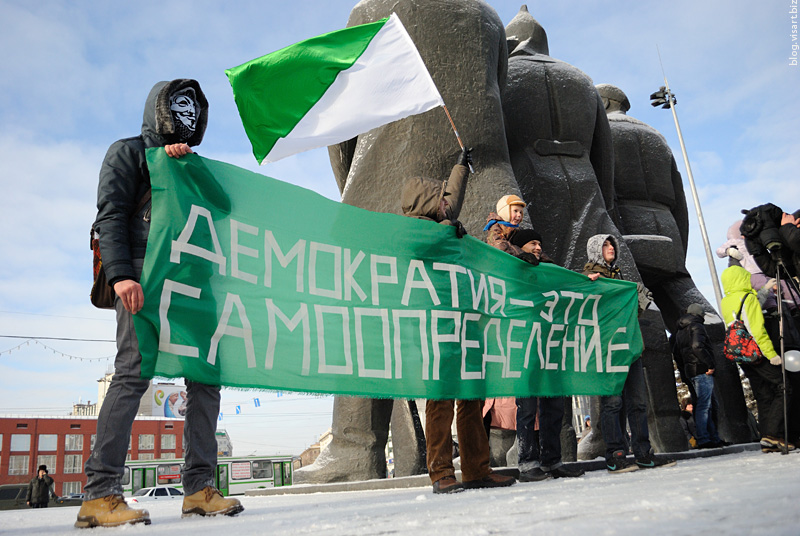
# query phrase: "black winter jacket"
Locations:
[[40, 489], [692, 346], [124, 180]]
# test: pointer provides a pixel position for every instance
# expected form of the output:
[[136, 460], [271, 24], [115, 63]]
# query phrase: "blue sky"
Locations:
[[75, 76]]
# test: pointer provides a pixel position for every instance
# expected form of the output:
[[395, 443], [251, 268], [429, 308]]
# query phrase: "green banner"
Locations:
[[251, 282]]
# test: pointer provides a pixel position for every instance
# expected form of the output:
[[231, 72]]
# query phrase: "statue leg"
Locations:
[[408, 439], [569, 440], [664, 413], [593, 445], [360, 428]]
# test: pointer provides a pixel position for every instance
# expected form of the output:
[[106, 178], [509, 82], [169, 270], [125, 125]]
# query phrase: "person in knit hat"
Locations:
[[40, 489], [539, 454]]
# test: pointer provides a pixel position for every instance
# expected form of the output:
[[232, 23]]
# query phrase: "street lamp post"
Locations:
[[666, 99]]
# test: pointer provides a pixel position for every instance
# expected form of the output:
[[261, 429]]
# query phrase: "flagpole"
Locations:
[[670, 100], [455, 130]]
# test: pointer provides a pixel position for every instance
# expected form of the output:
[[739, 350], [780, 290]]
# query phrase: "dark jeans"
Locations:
[[705, 428], [105, 466], [634, 401], [545, 450], [767, 383], [38, 505]]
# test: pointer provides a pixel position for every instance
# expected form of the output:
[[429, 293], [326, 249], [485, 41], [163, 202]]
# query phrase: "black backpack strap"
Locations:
[[741, 305]]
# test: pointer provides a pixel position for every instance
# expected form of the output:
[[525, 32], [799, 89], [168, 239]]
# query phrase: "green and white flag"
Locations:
[[331, 88], [252, 282]]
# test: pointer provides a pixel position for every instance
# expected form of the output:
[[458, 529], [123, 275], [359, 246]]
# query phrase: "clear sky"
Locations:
[[75, 76]]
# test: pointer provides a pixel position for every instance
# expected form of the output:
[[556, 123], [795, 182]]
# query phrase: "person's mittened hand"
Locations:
[[177, 150], [735, 253], [465, 158], [461, 231], [130, 292], [775, 361], [771, 284]]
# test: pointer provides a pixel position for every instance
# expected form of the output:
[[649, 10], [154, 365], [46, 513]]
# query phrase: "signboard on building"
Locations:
[[169, 401]]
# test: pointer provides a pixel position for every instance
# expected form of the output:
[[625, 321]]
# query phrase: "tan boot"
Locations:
[[210, 502], [109, 511]]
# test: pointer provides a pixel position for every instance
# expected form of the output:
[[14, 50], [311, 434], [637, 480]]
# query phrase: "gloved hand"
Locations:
[[645, 296], [461, 231], [775, 361], [770, 285], [465, 158], [735, 253]]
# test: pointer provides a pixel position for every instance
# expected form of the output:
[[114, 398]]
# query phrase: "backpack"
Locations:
[[739, 343], [102, 295]]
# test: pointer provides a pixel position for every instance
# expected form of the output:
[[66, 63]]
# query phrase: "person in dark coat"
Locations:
[[539, 456], [430, 199], [693, 346], [175, 118], [40, 489]]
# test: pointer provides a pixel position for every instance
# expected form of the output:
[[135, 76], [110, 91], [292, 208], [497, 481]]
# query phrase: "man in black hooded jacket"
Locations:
[[175, 117], [694, 354]]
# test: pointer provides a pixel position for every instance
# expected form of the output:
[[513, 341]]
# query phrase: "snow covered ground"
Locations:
[[745, 493]]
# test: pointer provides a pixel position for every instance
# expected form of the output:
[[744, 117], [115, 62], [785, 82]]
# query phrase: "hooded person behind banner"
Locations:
[[427, 199], [597, 264], [602, 251]]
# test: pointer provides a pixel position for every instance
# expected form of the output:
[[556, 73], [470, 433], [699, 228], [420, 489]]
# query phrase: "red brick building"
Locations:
[[63, 444]]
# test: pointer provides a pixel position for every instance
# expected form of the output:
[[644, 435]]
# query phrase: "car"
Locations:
[[158, 493], [12, 497]]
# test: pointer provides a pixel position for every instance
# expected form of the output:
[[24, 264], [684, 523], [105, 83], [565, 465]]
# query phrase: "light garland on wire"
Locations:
[[21, 345]]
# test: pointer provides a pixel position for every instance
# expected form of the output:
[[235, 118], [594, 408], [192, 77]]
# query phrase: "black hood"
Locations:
[[687, 320], [158, 126]]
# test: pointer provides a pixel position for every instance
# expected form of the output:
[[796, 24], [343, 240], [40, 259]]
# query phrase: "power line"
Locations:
[[62, 354], [56, 338], [58, 316]]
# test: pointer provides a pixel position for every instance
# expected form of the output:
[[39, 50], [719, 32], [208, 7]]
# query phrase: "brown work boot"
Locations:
[[109, 511], [492, 480], [448, 484], [210, 502]]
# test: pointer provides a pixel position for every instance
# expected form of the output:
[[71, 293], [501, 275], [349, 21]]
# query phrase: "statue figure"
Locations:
[[561, 151], [654, 218], [462, 42]]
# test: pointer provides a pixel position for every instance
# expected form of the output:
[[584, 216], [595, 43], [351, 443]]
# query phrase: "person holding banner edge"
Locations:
[[539, 456], [601, 251], [175, 117], [429, 199]]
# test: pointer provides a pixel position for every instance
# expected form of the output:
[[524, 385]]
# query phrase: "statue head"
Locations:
[[525, 32], [614, 99]]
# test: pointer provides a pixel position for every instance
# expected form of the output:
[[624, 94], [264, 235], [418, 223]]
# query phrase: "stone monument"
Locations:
[[561, 150], [462, 42], [654, 218]]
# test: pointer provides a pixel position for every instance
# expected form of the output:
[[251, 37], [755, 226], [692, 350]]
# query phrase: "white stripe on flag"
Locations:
[[388, 82]]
